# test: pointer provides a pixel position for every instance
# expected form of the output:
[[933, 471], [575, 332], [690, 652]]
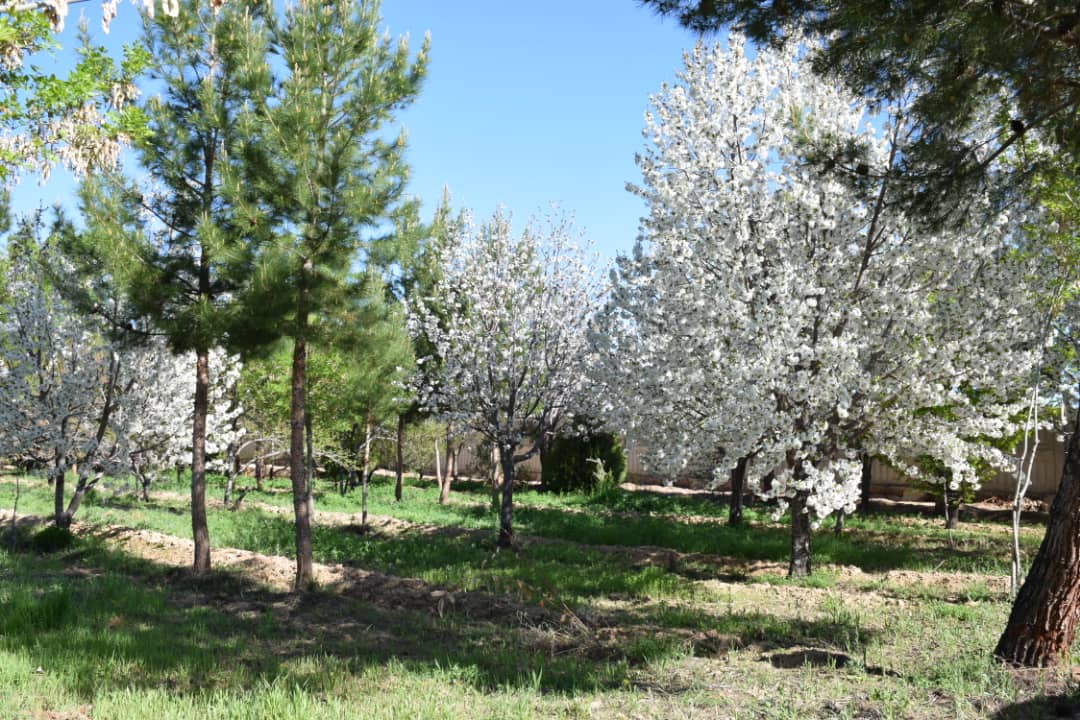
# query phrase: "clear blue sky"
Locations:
[[524, 104]]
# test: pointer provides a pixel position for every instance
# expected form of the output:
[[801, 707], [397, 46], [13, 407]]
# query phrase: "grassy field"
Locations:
[[626, 605]]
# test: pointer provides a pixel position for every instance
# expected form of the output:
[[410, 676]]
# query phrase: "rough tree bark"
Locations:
[[260, 465], [800, 536], [1042, 624], [364, 470], [738, 489], [399, 469], [506, 505], [56, 479], [448, 471], [297, 466], [200, 532], [864, 483], [438, 471]]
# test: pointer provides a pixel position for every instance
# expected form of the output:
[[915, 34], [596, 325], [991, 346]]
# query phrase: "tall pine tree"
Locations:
[[328, 184], [176, 248]]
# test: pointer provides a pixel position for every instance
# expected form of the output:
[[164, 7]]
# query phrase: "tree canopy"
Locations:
[[985, 75]]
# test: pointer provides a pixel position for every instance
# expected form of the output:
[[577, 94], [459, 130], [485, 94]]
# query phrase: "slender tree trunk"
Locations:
[[260, 465], [838, 528], [399, 470], [448, 471], [1042, 624], [230, 472], [199, 529], [438, 473], [81, 486], [864, 483], [800, 536], [506, 506], [738, 489], [305, 575], [364, 470], [309, 458], [952, 520]]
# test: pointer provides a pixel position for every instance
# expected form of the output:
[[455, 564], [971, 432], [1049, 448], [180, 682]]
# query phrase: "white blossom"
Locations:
[[775, 310]]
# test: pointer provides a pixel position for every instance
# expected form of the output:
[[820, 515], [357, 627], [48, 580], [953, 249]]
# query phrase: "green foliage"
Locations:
[[587, 464], [976, 95], [179, 251], [49, 112]]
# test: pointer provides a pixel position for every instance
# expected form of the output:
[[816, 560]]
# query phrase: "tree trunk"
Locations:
[[364, 471], [305, 575], [260, 465], [800, 536], [1042, 624], [864, 483], [56, 475], [838, 528], [199, 529], [399, 469], [81, 486], [438, 471], [448, 471], [952, 519], [230, 472], [506, 506], [738, 489]]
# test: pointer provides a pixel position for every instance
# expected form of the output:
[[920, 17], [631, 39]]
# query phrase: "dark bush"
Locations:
[[583, 464]]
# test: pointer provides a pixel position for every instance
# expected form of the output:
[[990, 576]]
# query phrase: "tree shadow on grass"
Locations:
[[1053, 707], [101, 619]]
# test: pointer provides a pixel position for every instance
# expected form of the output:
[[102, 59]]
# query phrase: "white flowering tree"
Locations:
[[510, 334], [78, 395], [776, 312], [158, 412]]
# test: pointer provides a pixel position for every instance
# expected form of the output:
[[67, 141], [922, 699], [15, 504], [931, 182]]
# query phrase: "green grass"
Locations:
[[665, 636]]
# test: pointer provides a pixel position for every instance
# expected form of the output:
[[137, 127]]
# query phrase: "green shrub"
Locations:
[[589, 464]]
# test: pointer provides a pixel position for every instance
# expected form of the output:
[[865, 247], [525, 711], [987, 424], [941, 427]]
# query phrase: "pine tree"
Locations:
[[326, 183], [176, 249]]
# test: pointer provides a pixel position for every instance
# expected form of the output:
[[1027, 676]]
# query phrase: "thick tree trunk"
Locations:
[[305, 575], [738, 489], [61, 518], [800, 537], [448, 471], [399, 470], [864, 483], [506, 506], [1042, 624], [199, 529]]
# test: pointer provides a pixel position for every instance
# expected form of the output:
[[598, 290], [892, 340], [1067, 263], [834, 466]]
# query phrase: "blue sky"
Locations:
[[524, 104]]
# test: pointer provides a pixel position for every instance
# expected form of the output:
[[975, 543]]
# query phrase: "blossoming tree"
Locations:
[[774, 312], [511, 337]]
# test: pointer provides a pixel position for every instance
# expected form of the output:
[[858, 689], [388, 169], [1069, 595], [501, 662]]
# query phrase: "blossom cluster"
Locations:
[[507, 321], [72, 395], [781, 306]]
